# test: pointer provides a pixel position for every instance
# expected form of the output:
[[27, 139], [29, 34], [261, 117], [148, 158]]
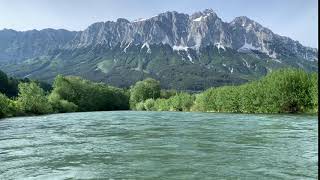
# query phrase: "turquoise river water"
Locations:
[[159, 145]]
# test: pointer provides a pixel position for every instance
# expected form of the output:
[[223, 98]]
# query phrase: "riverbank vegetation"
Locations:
[[282, 91]]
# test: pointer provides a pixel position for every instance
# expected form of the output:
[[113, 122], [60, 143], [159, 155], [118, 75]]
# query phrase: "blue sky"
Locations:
[[297, 19]]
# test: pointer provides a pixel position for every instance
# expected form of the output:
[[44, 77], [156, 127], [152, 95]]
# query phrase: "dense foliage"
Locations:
[[9, 85], [179, 102], [282, 91], [87, 95], [4, 105], [69, 94], [32, 99], [143, 90]]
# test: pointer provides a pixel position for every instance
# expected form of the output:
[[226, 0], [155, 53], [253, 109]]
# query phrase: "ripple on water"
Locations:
[[161, 145]]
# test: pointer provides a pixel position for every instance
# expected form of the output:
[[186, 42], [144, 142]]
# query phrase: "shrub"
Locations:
[[140, 106], [282, 91], [161, 105], [143, 90], [89, 96], [32, 99], [314, 92], [4, 106], [180, 102], [61, 105], [149, 105]]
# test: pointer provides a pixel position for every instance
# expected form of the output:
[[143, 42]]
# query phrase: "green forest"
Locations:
[[283, 91]]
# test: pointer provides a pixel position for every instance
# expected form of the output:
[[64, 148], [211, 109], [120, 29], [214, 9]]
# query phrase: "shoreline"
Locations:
[[230, 113]]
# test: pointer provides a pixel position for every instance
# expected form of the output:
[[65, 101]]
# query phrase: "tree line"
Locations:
[[68, 94], [282, 91]]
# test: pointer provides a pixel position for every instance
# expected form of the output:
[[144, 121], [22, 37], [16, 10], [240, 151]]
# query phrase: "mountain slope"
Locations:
[[183, 52]]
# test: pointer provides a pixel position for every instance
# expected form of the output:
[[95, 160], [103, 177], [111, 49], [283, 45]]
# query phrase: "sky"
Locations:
[[297, 19]]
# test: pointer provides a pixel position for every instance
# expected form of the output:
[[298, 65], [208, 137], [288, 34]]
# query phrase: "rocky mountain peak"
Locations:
[[248, 24], [179, 30], [201, 15], [123, 20], [242, 21]]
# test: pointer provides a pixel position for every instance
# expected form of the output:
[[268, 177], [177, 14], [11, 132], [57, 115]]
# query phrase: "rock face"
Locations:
[[200, 44], [198, 30], [18, 46]]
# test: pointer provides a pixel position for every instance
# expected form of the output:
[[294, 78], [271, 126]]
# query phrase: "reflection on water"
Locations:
[[161, 145]]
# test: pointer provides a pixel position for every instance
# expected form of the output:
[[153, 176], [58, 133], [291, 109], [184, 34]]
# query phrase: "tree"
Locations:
[[282, 91], [61, 105], [32, 99], [4, 105], [226, 99], [161, 105], [314, 91], [181, 102], [251, 97], [149, 104], [140, 106], [143, 90], [4, 84], [166, 94], [287, 90], [205, 101], [89, 96]]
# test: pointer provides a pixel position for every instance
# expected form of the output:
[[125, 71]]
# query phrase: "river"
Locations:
[[159, 145]]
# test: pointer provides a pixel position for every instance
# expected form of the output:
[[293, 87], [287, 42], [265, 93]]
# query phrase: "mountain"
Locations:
[[18, 46], [187, 52]]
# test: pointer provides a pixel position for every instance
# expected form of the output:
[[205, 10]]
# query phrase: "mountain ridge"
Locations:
[[201, 43]]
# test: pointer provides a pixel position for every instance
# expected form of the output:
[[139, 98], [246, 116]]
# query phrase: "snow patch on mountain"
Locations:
[[125, 49], [231, 69], [190, 58], [220, 46], [146, 44], [273, 55], [142, 19], [247, 47], [246, 63], [200, 18], [277, 60], [180, 48]]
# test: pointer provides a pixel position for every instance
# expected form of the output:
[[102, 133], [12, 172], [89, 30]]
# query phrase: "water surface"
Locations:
[[159, 145]]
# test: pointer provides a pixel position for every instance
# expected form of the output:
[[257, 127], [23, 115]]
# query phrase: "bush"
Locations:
[[89, 96], [61, 105], [283, 91], [32, 99], [4, 106], [314, 92], [205, 101], [286, 90], [180, 102], [149, 105], [143, 90], [67, 106], [166, 94], [161, 105], [140, 106]]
